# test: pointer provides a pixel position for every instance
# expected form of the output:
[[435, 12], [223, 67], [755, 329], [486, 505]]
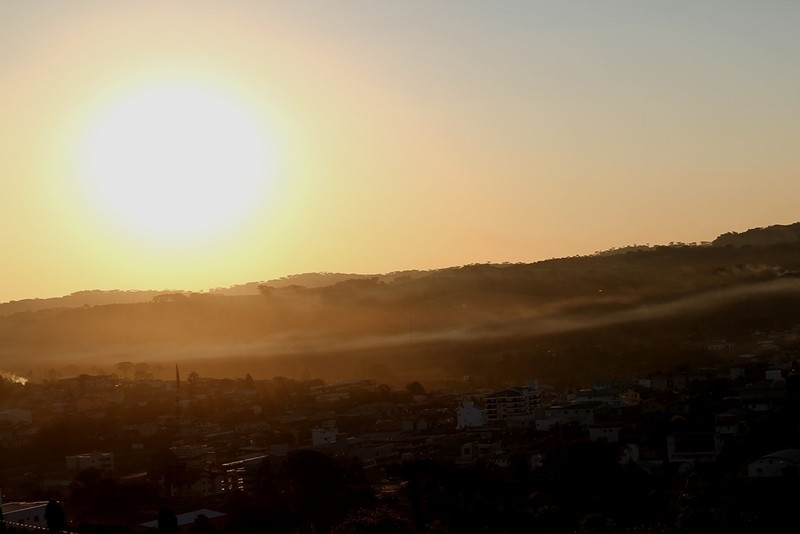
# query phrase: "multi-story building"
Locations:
[[514, 402]]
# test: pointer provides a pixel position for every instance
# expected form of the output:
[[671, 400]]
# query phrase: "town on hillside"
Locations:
[[682, 450]]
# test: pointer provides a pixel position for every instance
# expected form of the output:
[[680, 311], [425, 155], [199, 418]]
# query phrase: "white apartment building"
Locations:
[[514, 402]]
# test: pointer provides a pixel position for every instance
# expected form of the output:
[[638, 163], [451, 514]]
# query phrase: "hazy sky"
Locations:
[[272, 138]]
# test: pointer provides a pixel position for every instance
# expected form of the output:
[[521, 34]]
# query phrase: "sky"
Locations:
[[194, 145]]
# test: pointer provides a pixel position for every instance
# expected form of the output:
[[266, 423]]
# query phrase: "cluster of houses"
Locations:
[[221, 432]]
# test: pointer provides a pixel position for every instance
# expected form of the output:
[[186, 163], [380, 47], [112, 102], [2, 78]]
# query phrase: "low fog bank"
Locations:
[[535, 337], [550, 318]]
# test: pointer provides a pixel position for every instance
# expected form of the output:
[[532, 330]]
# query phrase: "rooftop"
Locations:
[[188, 518], [9, 507]]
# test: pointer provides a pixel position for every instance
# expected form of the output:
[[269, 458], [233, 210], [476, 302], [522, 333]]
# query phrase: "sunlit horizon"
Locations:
[[199, 145]]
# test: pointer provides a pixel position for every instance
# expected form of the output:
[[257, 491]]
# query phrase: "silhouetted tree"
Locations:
[[266, 290], [202, 525], [54, 516], [323, 490], [141, 371], [415, 388], [167, 521], [170, 297], [124, 368]]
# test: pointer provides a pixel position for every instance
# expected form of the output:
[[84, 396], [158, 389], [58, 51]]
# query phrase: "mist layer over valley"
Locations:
[[631, 311]]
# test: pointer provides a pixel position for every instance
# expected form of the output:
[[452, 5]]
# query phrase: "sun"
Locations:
[[177, 162]]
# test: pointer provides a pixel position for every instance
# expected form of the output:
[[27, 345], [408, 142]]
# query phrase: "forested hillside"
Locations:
[[609, 304]]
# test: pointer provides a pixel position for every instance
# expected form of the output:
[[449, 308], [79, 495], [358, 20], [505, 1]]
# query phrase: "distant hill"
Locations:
[[771, 235], [309, 280], [101, 298], [635, 310], [756, 237], [77, 300]]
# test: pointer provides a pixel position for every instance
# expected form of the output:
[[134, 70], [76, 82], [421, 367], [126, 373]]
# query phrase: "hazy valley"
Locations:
[[616, 313]]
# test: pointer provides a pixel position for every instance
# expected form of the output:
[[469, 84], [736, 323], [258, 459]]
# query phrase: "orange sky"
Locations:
[[391, 135]]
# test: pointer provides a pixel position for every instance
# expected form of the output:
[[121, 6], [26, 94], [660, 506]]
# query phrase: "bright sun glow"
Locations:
[[177, 162]]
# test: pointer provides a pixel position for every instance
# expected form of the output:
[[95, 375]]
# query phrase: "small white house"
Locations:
[[97, 460], [468, 415], [323, 436]]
